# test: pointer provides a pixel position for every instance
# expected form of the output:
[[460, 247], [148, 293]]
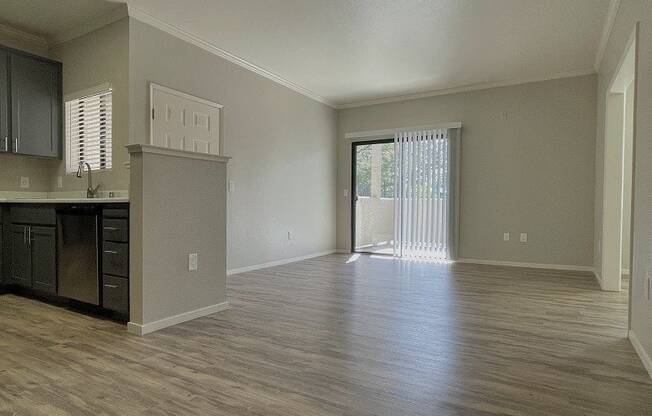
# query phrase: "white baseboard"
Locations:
[[142, 329], [280, 262], [568, 267], [645, 358], [598, 277]]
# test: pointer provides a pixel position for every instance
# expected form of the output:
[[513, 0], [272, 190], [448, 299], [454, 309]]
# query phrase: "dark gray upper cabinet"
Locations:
[[35, 98], [4, 102]]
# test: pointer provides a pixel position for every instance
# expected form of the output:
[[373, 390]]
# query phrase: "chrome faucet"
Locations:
[[90, 191]]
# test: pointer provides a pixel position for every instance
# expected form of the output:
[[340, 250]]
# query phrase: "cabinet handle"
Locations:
[[24, 234], [29, 235], [111, 228], [110, 252], [16, 144], [111, 286]]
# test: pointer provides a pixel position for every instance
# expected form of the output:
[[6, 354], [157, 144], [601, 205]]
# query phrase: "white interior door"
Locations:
[[182, 121]]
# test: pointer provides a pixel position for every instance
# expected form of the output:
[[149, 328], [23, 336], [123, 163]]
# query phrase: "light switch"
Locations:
[[231, 186], [523, 237], [192, 262], [346, 193], [24, 182], [505, 236], [59, 181]]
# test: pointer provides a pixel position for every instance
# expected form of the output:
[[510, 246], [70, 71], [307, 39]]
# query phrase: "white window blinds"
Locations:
[[88, 131], [422, 194]]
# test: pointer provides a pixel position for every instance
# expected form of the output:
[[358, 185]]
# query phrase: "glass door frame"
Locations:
[[354, 193]]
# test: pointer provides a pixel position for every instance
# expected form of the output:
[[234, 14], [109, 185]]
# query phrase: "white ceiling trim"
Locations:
[[609, 20], [12, 32], [90, 25], [173, 30], [467, 88]]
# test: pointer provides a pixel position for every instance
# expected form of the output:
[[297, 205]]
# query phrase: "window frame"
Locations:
[[88, 92]]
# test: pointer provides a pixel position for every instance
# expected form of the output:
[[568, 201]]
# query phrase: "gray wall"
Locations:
[[178, 207], [283, 146], [630, 12], [527, 165], [95, 58]]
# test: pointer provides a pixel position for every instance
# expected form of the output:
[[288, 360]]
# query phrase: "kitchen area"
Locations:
[[68, 246], [103, 213]]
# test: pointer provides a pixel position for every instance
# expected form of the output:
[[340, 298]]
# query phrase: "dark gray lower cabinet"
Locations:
[[33, 257], [44, 261], [115, 259], [115, 293], [2, 253], [21, 256]]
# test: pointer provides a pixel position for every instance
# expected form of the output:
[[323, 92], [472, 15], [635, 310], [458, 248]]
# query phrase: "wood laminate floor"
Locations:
[[372, 336]]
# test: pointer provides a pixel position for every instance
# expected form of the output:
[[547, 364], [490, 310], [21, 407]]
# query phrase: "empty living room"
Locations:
[[326, 207]]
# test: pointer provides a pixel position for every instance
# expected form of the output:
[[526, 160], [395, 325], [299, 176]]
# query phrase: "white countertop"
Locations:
[[64, 200]]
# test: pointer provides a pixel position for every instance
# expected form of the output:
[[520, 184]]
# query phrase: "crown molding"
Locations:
[[177, 32], [90, 25], [466, 88], [608, 26], [29, 38]]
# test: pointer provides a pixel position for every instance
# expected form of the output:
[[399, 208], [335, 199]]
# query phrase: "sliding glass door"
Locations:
[[403, 199], [373, 196]]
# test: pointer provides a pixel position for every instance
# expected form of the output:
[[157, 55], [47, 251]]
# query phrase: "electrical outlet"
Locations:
[[24, 182], [346, 193], [523, 237], [505, 236], [290, 235], [59, 181], [231, 186], [192, 262]]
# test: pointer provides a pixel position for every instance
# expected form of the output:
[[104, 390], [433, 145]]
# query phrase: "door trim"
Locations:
[[352, 192]]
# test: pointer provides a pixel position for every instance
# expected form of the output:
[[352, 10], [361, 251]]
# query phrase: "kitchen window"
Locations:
[[88, 129]]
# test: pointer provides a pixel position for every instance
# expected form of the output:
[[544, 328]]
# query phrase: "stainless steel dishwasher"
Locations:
[[77, 253]]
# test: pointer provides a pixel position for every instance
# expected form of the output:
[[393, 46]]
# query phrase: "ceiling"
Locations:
[[348, 51], [53, 20]]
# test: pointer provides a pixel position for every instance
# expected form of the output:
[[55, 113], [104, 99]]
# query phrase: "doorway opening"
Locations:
[[372, 202], [618, 171]]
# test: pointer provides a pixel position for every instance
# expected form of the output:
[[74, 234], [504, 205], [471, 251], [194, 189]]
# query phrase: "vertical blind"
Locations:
[[422, 194], [88, 132]]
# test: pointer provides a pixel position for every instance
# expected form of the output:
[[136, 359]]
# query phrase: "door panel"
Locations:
[[21, 268], [181, 122], [34, 106], [373, 197], [44, 263]]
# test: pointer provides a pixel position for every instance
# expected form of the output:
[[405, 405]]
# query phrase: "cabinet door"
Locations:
[[21, 267], [2, 254], [35, 106], [44, 258], [4, 103]]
